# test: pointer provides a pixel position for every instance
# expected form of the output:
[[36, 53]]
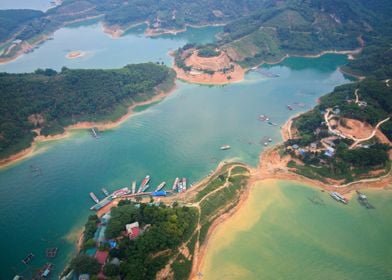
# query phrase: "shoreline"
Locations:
[[320, 54], [104, 125], [264, 172]]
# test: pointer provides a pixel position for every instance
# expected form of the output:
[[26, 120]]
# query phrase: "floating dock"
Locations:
[[28, 259], [51, 252], [363, 200]]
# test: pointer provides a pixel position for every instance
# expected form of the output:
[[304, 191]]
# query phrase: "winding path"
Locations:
[[328, 116]]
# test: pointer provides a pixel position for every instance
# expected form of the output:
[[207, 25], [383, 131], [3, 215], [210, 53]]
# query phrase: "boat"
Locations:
[[175, 184], [363, 200], [272, 123], [225, 147], [180, 187], [263, 118], [94, 133], [269, 139], [338, 197], [121, 192], [144, 183], [289, 107], [105, 191], [94, 197], [28, 259], [133, 187], [160, 186], [184, 183], [145, 188], [46, 270]]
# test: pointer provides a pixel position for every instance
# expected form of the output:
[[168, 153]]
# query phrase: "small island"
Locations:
[[75, 54], [206, 65]]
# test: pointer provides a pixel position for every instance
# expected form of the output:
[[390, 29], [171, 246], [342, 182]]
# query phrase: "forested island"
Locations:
[[46, 101]]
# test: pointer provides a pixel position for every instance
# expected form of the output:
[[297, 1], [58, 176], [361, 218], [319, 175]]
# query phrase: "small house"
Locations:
[[133, 230], [84, 277], [330, 152], [101, 257]]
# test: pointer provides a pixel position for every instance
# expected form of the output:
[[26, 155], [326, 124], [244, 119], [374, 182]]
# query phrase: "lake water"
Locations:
[[280, 234], [180, 136], [42, 5]]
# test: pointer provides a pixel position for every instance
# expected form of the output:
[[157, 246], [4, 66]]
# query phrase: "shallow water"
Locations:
[[180, 136], [280, 234]]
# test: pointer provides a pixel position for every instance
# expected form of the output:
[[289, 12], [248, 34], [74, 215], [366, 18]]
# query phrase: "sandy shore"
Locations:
[[26, 153], [206, 79], [272, 166]]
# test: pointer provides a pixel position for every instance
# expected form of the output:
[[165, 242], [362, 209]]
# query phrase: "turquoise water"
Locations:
[[288, 237], [23, 4], [102, 51], [180, 136]]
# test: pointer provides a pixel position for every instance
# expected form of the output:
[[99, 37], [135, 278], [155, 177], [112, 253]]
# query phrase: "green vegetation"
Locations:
[[345, 163], [171, 14], [310, 27], [220, 195], [50, 101], [164, 230], [169, 227], [181, 268], [12, 21], [208, 52], [375, 93], [84, 264]]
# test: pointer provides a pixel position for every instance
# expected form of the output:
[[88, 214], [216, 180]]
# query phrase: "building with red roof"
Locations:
[[133, 230], [101, 257]]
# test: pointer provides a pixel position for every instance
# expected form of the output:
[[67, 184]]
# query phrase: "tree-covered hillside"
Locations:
[[50, 101], [12, 20], [305, 27]]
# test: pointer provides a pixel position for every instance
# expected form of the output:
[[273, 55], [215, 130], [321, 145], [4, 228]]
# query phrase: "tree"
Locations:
[[111, 270], [85, 264]]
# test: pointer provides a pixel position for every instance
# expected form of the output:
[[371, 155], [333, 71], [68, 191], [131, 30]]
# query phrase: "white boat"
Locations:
[[225, 147], [175, 184], [133, 187], [160, 186]]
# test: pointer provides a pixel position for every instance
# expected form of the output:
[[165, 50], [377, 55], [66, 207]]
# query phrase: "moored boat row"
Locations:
[[179, 185]]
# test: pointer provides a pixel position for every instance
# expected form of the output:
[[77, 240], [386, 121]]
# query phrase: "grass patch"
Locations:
[[239, 170], [214, 184], [203, 232], [222, 198], [192, 244]]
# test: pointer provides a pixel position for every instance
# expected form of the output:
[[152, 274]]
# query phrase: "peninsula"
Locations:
[[54, 101]]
